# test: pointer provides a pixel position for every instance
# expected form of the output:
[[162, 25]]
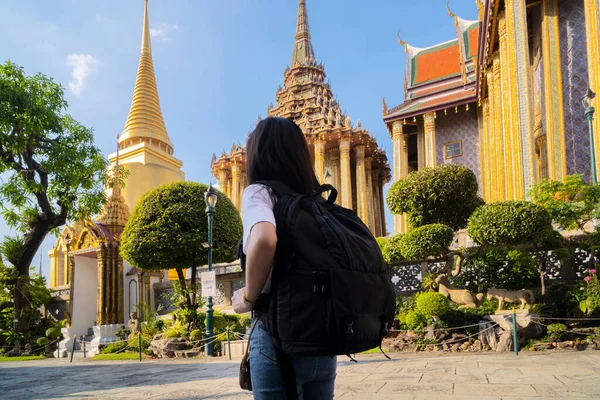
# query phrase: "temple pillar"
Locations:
[[319, 146], [498, 154], [223, 180], [101, 294], [146, 289], [346, 175], [553, 96], [510, 124], [376, 203], [333, 165], [592, 29], [369, 212], [70, 260], [420, 148], [486, 170], [235, 184], [400, 169], [361, 183], [382, 208], [520, 93], [429, 132]]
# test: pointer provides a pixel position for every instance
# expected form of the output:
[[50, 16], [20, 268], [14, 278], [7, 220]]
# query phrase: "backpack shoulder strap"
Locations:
[[278, 187]]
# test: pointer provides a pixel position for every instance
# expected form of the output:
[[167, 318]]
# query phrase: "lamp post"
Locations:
[[589, 115], [210, 197], [70, 279]]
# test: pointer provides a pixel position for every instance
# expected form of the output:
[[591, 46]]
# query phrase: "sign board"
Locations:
[[208, 280]]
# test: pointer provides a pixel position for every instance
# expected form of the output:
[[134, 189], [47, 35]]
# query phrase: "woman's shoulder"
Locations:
[[257, 193]]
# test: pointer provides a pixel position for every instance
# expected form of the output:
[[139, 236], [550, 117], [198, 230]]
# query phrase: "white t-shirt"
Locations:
[[257, 206]]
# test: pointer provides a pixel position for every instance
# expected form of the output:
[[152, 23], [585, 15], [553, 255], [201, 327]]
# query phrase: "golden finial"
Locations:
[[450, 13], [467, 106], [480, 9], [385, 108], [402, 42]]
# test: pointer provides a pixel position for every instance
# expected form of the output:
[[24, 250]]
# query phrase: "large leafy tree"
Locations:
[[168, 227], [445, 194], [53, 170]]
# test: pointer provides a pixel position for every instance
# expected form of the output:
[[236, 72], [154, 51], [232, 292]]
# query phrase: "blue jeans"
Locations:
[[315, 376]]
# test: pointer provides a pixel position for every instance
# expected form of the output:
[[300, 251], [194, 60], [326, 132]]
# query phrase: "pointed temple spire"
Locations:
[[115, 213], [145, 120], [303, 50]]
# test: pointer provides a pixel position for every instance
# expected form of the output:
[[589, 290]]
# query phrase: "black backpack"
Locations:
[[330, 290]]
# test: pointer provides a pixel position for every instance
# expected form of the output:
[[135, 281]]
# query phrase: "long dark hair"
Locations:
[[277, 150]]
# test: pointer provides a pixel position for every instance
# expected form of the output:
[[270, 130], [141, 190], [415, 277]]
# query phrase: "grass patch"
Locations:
[[119, 356], [21, 358], [373, 351]]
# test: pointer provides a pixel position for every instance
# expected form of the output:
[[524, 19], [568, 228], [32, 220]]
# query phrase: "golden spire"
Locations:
[[145, 120], [303, 50], [115, 213]]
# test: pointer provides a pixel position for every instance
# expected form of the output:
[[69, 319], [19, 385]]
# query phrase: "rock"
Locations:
[[565, 345], [445, 347], [455, 347], [430, 335], [167, 348], [464, 346], [487, 334], [505, 343], [477, 345], [542, 346], [524, 320], [158, 336]]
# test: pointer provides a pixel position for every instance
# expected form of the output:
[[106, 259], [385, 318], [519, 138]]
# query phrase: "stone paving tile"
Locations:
[[468, 389], [456, 397], [431, 388], [450, 378], [442, 370], [374, 396], [400, 377], [524, 379], [589, 390], [364, 387]]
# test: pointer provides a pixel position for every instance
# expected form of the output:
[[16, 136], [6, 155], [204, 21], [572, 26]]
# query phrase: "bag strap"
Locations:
[[250, 336], [333, 193]]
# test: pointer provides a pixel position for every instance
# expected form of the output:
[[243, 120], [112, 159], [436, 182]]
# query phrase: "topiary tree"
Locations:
[[426, 241], [432, 304], [513, 224], [415, 320], [168, 227], [445, 194], [390, 248]]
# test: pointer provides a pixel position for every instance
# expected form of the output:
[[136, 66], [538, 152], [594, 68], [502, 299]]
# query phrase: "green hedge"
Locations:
[[445, 194], [432, 304], [510, 223], [425, 241], [390, 248]]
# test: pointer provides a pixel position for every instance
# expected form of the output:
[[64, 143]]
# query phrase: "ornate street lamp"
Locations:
[[589, 115], [210, 197]]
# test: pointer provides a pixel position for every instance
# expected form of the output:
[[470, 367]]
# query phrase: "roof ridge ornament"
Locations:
[[402, 42]]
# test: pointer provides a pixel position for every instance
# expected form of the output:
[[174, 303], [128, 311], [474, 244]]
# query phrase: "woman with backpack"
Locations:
[[316, 281], [276, 151]]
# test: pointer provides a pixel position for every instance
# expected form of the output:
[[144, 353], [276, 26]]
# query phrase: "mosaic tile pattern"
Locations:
[[573, 55], [458, 126]]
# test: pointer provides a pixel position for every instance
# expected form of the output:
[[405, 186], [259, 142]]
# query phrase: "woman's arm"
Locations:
[[259, 261], [259, 258]]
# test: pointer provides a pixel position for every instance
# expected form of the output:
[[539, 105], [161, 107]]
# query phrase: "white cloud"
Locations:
[[162, 32], [83, 65]]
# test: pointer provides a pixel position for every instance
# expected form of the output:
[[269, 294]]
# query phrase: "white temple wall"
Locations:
[[85, 288]]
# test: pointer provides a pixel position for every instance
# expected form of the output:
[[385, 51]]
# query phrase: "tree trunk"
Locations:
[[543, 282], [183, 287], [193, 285], [31, 244]]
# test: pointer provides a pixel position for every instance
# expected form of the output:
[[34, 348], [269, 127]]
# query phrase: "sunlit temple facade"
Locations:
[[345, 154], [99, 289], [503, 97]]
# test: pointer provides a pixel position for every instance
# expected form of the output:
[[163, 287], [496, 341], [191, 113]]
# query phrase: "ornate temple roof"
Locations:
[[145, 118], [115, 213], [306, 97], [440, 76]]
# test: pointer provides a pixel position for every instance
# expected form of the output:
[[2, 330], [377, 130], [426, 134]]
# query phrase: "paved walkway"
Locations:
[[554, 375]]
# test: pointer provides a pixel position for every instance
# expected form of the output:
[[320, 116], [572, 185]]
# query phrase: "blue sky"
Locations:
[[217, 63]]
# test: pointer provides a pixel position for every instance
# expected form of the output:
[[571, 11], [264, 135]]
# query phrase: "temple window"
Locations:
[[453, 149]]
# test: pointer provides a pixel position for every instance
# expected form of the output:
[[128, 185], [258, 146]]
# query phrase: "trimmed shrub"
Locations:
[[113, 348], [432, 304], [425, 241], [557, 331], [134, 344], [510, 223], [195, 335], [415, 320], [445, 194]]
